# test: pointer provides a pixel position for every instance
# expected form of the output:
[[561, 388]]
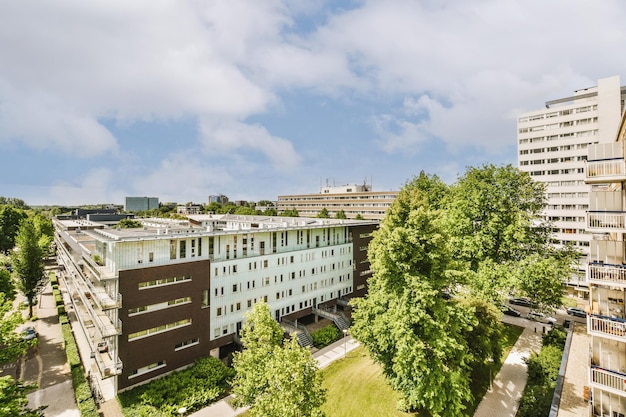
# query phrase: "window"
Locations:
[[159, 329], [218, 312], [163, 281], [182, 250], [172, 249], [186, 344], [159, 306], [205, 298], [152, 367]]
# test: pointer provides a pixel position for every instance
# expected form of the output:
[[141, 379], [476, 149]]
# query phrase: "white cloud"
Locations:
[[95, 187], [226, 137]]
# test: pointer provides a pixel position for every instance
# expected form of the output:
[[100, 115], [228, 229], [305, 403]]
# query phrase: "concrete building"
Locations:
[[136, 204], [218, 198], [156, 298], [552, 148], [352, 199], [606, 321]]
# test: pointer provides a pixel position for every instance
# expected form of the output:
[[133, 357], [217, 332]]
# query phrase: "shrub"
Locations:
[[325, 336], [543, 371], [193, 388], [60, 310]]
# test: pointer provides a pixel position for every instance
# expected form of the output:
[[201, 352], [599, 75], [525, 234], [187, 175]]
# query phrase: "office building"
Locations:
[[606, 321], [353, 200], [152, 300], [137, 204], [552, 148]]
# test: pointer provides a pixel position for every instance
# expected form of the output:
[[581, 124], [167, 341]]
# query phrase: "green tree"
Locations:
[[7, 287], [493, 215], [275, 380], [290, 213], [358, 217], [10, 219], [323, 214], [341, 215], [28, 262], [260, 334], [245, 211], [11, 344], [407, 324], [294, 385], [270, 212], [129, 224], [13, 401], [45, 229]]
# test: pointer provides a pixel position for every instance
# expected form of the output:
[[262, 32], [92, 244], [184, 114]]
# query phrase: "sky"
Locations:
[[181, 99]]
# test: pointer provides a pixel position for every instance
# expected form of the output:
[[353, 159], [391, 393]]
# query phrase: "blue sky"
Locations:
[[253, 99]]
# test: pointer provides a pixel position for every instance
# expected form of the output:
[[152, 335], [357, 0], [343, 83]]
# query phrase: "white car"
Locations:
[[540, 317]]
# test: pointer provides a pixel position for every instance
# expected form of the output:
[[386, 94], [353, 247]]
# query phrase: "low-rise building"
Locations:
[[154, 299], [352, 200]]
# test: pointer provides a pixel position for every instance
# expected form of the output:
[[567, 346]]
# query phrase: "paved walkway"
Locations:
[[576, 375], [324, 358], [47, 367], [502, 399]]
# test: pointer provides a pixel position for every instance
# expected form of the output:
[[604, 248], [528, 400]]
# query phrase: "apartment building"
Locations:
[[154, 299], [353, 200], [606, 321], [136, 204], [552, 147]]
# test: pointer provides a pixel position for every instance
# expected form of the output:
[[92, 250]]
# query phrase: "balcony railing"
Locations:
[[606, 326], [603, 273], [606, 220], [614, 381], [606, 169]]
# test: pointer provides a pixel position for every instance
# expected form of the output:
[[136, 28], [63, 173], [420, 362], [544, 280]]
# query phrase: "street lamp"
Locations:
[[345, 342]]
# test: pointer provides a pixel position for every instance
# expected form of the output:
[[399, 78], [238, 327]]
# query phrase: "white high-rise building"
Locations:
[[552, 147]]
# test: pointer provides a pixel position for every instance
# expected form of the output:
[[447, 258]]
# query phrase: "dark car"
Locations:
[[524, 302], [510, 311], [577, 312]]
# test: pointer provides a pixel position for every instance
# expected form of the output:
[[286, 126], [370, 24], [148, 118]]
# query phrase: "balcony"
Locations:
[[607, 274], [607, 221], [613, 382], [605, 163], [603, 171], [608, 327]]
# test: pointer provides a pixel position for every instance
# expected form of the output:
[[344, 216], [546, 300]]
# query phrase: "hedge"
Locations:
[[86, 404], [325, 336]]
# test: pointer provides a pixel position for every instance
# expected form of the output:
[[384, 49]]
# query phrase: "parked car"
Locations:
[[524, 302], [540, 317], [510, 311], [29, 333], [577, 312]]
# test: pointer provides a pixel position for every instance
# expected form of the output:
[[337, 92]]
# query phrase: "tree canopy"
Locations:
[[443, 258], [275, 380], [10, 219], [28, 262]]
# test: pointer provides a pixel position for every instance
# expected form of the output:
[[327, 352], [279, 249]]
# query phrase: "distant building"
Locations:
[[136, 204], [552, 147], [353, 200], [191, 209], [219, 198]]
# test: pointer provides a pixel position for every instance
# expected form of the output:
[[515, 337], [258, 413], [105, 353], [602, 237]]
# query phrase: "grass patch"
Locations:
[[369, 393], [481, 375], [569, 302]]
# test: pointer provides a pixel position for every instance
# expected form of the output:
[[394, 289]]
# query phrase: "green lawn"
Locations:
[[356, 386]]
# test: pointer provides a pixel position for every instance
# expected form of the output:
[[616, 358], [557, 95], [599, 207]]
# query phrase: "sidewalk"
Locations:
[[502, 399], [323, 356], [48, 366]]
